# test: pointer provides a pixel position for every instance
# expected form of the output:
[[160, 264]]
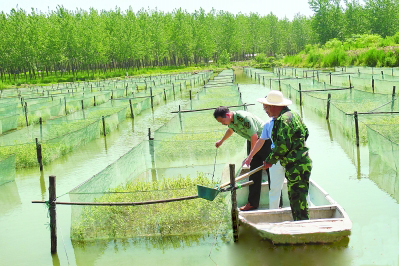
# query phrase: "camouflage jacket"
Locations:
[[289, 135]]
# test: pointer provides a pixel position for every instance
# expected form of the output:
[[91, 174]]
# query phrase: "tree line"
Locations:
[[35, 43]]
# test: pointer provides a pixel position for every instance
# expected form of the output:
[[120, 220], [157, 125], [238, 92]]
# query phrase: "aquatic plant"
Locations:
[[196, 217]]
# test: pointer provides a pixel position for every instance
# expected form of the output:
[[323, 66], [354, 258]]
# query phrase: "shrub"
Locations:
[[261, 58], [224, 58], [337, 57]]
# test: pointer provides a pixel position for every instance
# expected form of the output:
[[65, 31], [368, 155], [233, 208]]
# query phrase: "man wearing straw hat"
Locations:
[[249, 127], [289, 134]]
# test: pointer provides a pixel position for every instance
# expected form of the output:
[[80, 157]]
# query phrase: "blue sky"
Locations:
[[281, 8]]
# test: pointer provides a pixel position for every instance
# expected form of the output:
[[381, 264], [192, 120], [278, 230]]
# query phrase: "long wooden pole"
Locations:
[[120, 203], [206, 109], [234, 211], [53, 214]]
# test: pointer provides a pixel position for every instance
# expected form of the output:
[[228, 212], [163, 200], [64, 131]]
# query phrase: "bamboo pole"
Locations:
[[234, 211], [393, 98], [120, 203], [83, 106], [53, 214], [206, 109], [94, 100]]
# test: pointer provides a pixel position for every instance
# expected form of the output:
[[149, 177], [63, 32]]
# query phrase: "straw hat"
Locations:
[[275, 98]]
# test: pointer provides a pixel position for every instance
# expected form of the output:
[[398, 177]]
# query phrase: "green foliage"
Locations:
[[314, 58], [224, 58], [336, 57], [372, 57], [333, 44], [261, 58]]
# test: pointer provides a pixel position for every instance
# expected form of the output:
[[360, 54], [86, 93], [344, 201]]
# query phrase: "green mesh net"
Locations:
[[169, 166], [7, 169]]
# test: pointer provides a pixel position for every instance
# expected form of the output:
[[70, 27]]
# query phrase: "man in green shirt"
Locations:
[[289, 135], [249, 127]]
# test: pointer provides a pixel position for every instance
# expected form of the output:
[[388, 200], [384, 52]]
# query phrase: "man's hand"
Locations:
[[219, 143], [267, 165], [247, 161]]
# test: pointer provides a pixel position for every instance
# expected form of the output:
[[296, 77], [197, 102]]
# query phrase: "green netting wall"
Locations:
[[167, 167], [7, 169], [384, 157]]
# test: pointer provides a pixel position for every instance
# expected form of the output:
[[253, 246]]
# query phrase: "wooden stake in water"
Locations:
[[26, 113], [300, 94], [328, 106], [152, 100], [41, 128], [131, 108], [94, 100], [356, 127], [372, 84], [234, 211], [350, 83], [53, 213], [39, 154], [103, 119], [393, 98]]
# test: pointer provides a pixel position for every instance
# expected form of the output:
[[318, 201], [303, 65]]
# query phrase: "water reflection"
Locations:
[[42, 185], [9, 197], [384, 176]]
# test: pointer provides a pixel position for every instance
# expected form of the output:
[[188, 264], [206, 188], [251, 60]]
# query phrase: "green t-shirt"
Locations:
[[246, 124]]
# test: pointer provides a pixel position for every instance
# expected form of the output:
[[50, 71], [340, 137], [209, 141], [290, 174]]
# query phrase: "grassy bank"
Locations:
[[23, 80], [362, 50]]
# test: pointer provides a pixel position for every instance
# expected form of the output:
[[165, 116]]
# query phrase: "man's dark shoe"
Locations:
[[247, 207]]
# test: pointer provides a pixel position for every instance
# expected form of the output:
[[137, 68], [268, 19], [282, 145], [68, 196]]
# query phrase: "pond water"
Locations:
[[339, 168]]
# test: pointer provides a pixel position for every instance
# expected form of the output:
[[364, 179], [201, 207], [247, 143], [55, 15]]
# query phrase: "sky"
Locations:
[[280, 8]]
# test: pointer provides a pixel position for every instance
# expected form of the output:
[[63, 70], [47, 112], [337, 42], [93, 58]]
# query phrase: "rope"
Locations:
[[63, 243], [214, 165], [47, 205], [216, 237]]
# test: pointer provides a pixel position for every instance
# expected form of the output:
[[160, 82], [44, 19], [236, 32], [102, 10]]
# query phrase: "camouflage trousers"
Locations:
[[298, 186]]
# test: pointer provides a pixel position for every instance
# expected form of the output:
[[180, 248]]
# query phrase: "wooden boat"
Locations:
[[328, 220]]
